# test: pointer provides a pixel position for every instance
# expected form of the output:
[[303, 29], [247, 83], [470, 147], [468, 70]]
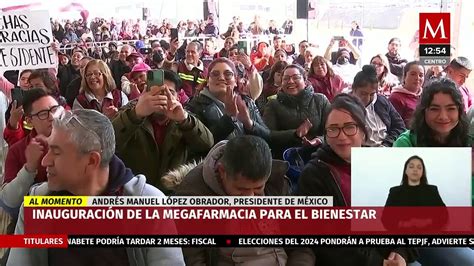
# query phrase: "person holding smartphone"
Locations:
[[250, 82], [158, 130], [343, 44], [191, 70]]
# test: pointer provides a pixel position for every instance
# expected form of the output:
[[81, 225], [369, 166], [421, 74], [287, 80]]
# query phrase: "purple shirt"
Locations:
[[466, 96]]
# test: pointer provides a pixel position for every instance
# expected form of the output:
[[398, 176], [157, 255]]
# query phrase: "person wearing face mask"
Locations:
[[397, 63], [156, 128], [156, 58], [344, 68], [226, 112], [405, 98], [295, 117], [343, 44]]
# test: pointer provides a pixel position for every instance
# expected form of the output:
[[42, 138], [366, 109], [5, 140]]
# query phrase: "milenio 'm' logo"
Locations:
[[435, 28], [434, 38]]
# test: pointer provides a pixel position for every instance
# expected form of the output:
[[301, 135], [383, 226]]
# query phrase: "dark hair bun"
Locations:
[[369, 70], [368, 75]]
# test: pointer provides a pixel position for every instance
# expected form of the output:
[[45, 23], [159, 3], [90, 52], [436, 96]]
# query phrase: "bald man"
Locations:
[[120, 67]]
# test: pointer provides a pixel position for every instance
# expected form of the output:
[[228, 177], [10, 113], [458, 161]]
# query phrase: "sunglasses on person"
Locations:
[[69, 119]]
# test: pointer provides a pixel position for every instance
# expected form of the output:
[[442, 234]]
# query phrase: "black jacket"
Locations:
[[391, 118], [118, 69], [396, 65], [286, 113], [422, 195], [412, 196], [222, 126], [72, 90], [319, 179], [66, 74]]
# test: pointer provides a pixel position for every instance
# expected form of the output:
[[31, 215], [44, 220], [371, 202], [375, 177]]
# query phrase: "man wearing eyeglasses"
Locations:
[[23, 163]]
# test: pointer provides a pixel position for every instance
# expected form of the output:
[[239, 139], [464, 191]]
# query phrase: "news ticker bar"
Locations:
[[63, 241], [176, 201]]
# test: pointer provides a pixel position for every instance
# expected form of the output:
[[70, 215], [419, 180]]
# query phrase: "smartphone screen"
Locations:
[[174, 33], [154, 77], [17, 95], [242, 47], [145, 50]]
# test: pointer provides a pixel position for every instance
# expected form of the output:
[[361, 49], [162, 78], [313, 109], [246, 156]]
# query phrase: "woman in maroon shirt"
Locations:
[[405, 98], [323, 79]]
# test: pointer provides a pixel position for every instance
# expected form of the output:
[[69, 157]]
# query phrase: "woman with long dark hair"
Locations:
[[414, 189], [439, 120]]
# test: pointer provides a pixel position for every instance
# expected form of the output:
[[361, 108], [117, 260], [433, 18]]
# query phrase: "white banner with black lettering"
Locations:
[[25, 40]]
